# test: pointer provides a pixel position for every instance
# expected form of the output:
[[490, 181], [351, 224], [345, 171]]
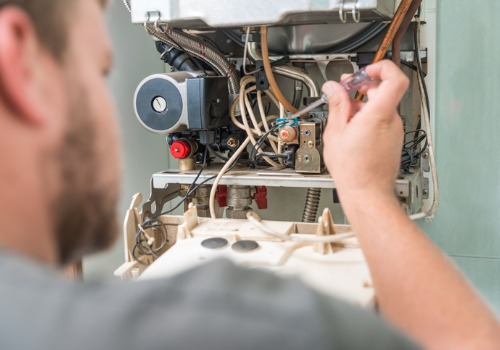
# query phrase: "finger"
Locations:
[[364, 89], [345, 77], [339, 104], [357, 106], [393, 85]]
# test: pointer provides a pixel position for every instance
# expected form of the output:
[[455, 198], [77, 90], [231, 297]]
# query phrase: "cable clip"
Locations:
[[342, 14], [356, 14]]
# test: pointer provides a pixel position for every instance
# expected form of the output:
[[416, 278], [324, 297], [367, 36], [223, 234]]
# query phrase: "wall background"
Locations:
[[465, 110], [144, 153], [467, 127]]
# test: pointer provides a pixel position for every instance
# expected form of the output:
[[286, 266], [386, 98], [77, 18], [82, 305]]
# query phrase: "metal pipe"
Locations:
[[396, 55], [287, 71], [269, 72], [391, 33], [202, 50], [298, 74]]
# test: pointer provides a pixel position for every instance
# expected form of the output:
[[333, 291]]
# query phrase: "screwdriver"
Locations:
[[354, 82]]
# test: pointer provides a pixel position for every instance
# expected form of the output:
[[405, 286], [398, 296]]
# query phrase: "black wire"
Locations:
[[145, 224], [217, 155], [261, 140], [271, 155], [348, 45], [139, 240], [409, 65], [410, 153]]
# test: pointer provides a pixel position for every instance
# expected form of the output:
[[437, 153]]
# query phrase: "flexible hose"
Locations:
[[127, 5], [205, 51], [269, 73], [312, 203]]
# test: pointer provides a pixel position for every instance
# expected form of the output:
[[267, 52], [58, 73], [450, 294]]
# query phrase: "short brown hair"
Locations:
[[51, 19]]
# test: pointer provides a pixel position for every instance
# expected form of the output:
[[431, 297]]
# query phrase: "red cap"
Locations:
[[180, 149]]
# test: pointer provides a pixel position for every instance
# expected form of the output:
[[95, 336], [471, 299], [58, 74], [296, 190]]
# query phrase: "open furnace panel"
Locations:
[[238, 70]]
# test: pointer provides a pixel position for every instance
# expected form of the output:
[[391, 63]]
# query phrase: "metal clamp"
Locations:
[[356, 14], [155, 16], [342, 14]]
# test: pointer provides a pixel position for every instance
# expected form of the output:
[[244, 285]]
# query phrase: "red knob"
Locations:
[[180, 149], [221, 196], [260, 197]]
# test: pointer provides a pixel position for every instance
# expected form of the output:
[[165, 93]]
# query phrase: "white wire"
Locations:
[[244, 107], [254, 120], [235, 104], [255, 220], [228, 164], [245, 51], [263, 118], [430, 150]]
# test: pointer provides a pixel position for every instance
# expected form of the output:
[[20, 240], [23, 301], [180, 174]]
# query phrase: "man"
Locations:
[[58, 180]]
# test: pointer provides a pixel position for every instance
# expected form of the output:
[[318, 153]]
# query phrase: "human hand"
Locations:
[[363, 140]]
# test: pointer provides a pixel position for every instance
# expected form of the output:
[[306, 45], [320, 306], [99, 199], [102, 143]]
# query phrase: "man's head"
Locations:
[[58, 142]]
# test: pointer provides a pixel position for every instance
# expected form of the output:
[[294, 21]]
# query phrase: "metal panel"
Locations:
[[248, 177], [232, 13]]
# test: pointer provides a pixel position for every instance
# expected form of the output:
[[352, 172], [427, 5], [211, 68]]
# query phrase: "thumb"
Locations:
[[339, 103]]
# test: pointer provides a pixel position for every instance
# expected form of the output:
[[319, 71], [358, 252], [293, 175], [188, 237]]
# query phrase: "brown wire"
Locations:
[[269, 72], [391, 33]]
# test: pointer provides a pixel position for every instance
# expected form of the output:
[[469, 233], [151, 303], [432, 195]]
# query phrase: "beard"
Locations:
[[85, 211]]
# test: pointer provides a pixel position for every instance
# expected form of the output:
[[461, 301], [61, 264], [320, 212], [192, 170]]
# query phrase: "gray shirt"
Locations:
[[217, 306]]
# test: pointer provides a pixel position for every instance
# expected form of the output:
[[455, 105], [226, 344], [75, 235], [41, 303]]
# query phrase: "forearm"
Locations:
[[417, 287]]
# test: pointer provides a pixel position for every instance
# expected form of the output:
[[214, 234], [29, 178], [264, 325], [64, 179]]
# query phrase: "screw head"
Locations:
[[159, 104]]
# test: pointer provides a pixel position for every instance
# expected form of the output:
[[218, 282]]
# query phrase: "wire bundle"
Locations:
[[413, 149]]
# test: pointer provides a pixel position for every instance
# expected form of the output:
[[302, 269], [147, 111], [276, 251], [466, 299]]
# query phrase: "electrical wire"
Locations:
[[245, 51], [141, 233], [256, 221], [413, 149], [420, 70], [348, 45], [229, 164], [432, 159]]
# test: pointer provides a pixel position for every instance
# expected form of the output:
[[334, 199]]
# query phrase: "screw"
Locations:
[[232, 142], [425, 155], [425, 192], [310, 144], [307, 159], [159, 104]]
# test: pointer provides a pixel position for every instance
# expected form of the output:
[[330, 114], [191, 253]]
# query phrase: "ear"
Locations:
[[21, 67]]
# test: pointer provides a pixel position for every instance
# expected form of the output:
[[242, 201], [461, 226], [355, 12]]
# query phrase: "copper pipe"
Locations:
[[269, 72], [391, 33], [396, 54]]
